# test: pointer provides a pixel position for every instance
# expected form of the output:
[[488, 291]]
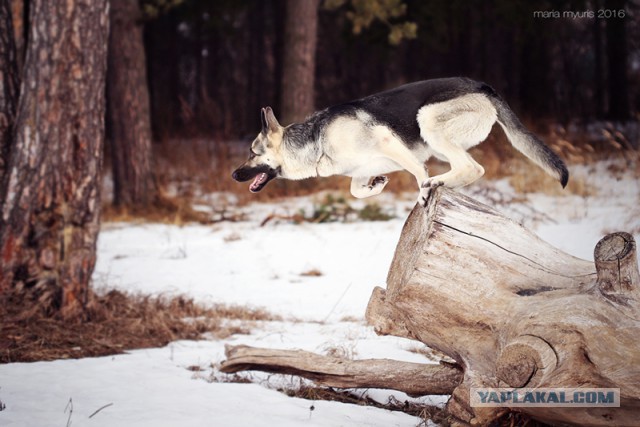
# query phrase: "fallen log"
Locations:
[[510, 309], [415, 379]]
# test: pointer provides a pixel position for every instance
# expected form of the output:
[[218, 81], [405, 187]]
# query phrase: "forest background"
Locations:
[[143, 107]]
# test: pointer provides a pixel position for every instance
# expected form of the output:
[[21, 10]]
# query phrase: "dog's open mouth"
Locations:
[[260, 175], [259, 182]]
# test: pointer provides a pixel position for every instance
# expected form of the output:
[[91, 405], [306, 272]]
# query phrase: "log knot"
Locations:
[[526, 361]]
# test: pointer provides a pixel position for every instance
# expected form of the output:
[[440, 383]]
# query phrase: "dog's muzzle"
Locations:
[[261, 175]]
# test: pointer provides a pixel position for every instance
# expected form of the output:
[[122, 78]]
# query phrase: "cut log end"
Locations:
[[516, 368], [617, 268]]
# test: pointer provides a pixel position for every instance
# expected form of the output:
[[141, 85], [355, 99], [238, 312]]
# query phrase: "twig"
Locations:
[[100, 409], [295, 218], [337, 302], [70, 408]]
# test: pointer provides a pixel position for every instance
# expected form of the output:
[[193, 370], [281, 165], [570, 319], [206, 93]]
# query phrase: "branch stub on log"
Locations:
[[415, 379], [617, 268], [526, 361]]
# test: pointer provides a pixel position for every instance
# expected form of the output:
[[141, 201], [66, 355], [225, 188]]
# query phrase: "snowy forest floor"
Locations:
[[285, 273]]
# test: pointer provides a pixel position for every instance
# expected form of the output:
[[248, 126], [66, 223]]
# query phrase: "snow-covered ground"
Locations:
[[317, 277]]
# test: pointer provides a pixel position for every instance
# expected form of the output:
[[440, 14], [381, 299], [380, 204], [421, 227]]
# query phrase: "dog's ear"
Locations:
[[269, 122]]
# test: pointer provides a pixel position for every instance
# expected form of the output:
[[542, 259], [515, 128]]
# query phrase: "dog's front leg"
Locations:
[[362, 186]]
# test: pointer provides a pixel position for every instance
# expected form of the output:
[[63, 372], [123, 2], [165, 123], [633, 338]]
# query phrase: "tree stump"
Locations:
[[514, 311], [510, 309]]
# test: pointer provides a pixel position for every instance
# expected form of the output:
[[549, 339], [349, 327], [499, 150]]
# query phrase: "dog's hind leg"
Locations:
[[362, 186], [451, 128], [464, 169]]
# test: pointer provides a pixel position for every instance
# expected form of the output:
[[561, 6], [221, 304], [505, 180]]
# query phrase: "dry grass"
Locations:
[[527, 178], [114, 323], [424, 412], [165, 209]]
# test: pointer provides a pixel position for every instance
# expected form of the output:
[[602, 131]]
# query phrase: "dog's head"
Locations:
[[264, 162]]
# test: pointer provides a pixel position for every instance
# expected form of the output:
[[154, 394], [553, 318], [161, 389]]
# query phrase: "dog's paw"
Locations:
[[432, 183], [379, 181], [427, 189]]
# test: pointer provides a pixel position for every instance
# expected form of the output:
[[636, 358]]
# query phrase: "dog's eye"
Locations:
[[252, 154]]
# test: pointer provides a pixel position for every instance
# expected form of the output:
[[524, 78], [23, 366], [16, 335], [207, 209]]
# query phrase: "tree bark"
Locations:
[[129, 111], [50, 199], [9, 82], [299, 60]]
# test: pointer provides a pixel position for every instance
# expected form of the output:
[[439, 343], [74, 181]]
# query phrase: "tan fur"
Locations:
[[450, 128]]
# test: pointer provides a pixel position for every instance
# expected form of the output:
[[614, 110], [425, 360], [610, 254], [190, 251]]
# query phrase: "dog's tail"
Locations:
[[527, 143]]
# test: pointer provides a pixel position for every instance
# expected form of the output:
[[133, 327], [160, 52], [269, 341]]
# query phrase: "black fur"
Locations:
[[396, 108], [299, 134], [245, 173]]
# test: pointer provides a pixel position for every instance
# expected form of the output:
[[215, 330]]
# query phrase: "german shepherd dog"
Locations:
[[393, 130]]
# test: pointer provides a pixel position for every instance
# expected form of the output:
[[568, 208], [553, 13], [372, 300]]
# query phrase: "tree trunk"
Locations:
[[50, 200], [299, 60], [598, 66], [510, 309], [617, 61], [19, 11], [128, 107], [9, 82]]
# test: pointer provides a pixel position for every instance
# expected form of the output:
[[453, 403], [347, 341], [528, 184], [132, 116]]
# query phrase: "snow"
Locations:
[[153, 388], [264, 266]]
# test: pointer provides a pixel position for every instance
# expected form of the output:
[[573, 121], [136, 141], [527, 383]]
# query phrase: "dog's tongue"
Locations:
[[257, 182]]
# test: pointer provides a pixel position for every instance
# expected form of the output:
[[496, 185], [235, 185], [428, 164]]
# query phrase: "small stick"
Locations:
[[69, 407], [100, 409]]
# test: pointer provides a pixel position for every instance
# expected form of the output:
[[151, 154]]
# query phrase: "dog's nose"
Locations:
[[234, 175]]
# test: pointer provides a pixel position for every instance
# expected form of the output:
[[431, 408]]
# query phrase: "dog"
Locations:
[[393, 130]]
